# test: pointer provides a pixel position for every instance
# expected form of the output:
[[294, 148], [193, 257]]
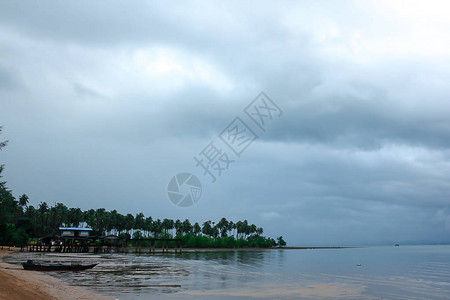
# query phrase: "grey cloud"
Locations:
[[351, 122], [360, 155], [8, 79]]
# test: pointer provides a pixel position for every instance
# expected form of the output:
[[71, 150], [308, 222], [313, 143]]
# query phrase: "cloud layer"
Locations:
[[104, 104]]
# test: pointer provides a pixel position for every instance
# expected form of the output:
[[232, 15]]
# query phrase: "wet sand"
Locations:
[[16, 283]]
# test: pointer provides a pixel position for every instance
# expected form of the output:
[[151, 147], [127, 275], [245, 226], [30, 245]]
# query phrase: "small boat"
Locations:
[[30, 265]]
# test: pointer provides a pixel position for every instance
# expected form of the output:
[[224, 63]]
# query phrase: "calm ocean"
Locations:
[[405, 272]]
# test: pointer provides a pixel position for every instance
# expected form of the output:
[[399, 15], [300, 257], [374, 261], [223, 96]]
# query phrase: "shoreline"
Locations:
[[17, 283]]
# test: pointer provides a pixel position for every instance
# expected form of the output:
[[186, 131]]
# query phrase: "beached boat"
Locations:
[[30, 265]]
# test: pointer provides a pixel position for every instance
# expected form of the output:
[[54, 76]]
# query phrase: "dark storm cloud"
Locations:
[[72, 21], [102, 104], [361, 124], [140, 22]]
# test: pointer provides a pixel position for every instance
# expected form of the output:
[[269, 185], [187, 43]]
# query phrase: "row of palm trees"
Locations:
[[48, 219]]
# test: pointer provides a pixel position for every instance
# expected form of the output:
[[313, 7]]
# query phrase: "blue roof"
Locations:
[[75, 228]]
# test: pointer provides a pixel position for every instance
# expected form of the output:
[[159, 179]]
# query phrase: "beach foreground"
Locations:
[[407, 272], [16, 283]]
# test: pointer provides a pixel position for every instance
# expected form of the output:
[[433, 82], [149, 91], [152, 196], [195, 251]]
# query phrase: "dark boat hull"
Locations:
[[50, 267]]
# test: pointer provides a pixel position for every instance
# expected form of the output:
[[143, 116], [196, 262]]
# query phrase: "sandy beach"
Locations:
[[16, 283]]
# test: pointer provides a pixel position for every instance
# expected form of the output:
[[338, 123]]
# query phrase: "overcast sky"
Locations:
[[103, 103]]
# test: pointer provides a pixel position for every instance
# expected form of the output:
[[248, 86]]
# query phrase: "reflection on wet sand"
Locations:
[[290, 291]]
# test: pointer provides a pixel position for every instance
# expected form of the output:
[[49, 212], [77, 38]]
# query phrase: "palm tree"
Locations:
[[120, 223], [129, 222], [259, 231], [171, 225], [43, 215], [245, 228], [31, 214], [281, 242], [186, 226], [238, 227], [223, 227], [251, 229], [112, 221], [157, 227], [197, 229], [149, 225], [75, 217], [57, 216], [89, 217], [178, 227], [101, 219], [207, 228], [24, 200], [167, 225], [139, 221], [215, 231], [231, 226]]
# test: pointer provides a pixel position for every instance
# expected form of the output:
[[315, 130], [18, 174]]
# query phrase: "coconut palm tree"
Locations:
[[43, 216], [197, 229], [223, 227], [129, 222], [207, 228], [167, 225], [178, 227], [157, 228], [186, 226], [148, 225], [139, 221], [24, 200]]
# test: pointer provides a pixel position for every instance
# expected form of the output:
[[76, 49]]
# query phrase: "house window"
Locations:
[[68, 233]]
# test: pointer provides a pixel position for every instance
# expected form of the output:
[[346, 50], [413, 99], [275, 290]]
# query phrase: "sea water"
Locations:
[[405, 272]]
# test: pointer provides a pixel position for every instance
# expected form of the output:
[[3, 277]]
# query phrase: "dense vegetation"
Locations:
[[19, 221]]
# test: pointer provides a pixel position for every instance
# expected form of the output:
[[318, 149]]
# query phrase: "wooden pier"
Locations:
[[123, 246], [152, 249]]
